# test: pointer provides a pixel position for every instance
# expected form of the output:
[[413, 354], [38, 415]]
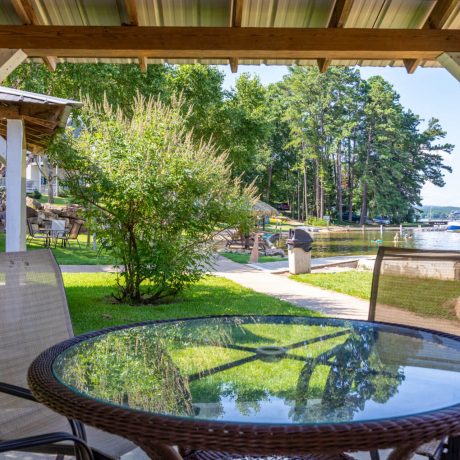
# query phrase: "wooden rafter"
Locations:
[[9, 60], [26, 12], [323, 64], [441, 13], [237, 42], [340, 13], [411, 65], [143, 63], [131, 9], [437, 19], [237, 17]]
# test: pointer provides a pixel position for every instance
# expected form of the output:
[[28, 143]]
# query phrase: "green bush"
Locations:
[[36, 194], [154, 196], [315, 221]]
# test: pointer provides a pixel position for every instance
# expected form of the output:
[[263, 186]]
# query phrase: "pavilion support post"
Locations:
[[451, 62], [15, 186]]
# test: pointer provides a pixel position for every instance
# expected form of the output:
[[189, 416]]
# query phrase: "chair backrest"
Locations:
[[75, 230], [57, 226], [30, 227], [33, 317], [417, 287]]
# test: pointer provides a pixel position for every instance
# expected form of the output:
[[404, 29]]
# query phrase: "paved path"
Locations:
[[304, 295]]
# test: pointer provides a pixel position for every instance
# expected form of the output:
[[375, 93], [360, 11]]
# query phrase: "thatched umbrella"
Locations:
[[262, 209]]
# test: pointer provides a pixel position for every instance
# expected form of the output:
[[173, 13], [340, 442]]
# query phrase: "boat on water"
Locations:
[[454, 222]]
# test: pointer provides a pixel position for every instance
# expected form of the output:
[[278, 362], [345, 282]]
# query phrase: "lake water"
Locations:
[[356, 242]]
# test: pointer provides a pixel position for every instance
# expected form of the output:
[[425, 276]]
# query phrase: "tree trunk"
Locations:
[[350, 184], [317, 190], [298, 197], [50, 189], [363, 218], [338, 177], [305, 190], [269, 182]]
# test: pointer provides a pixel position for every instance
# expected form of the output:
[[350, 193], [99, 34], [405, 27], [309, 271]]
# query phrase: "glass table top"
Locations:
[[277, 370]]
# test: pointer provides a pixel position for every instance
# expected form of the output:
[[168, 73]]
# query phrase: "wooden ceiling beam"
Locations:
[[143, 63], [131, 9], [50, 62], [411, 65], [340, 13], [10, 59], [236, 20], [441, 13], [26, 12], [237, 42], [323, 64]]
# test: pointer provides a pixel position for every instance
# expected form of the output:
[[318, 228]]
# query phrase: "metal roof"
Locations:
[[42, 114], [397, 14]]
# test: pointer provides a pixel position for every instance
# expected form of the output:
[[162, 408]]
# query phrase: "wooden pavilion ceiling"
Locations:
[[324, 32], [42, 115]]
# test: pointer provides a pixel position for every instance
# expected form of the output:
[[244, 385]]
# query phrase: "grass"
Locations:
[[244, 258], [70, 255], [355, 283], [58, 200], [91, 307], [423, 296]]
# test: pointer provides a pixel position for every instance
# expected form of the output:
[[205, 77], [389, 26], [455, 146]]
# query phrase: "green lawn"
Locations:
[[244, 258], [58, 200], [91, 306], [423, 296], [70, 255], [355, 283]]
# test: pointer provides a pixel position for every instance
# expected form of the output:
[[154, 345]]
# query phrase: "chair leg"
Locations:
[[374, 455]]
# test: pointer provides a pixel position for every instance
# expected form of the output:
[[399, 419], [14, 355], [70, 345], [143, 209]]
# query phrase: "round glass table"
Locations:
[[260, 385]]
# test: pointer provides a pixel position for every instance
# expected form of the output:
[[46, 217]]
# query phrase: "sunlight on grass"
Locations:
[[355, 283], [91, 306], [244, 258]]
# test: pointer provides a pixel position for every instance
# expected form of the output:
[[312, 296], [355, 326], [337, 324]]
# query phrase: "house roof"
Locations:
[[301, 15], [42, 114]]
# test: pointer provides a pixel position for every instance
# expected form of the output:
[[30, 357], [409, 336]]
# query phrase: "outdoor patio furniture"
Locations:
[[74, 232], [219, 387], [34, 316], [37, 234], [419, 288]]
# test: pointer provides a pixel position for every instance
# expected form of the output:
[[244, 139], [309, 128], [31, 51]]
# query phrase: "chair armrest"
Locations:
[[78, 429], [82, 450], [14, 390]]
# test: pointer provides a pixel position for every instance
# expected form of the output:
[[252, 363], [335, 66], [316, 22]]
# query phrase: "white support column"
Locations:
[[2, 150], [451, 62], [9, 60], [15, 186]]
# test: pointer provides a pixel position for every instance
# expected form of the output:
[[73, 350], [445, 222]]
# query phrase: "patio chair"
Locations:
[[35, 234], [33, 317], [418, 288], [74, 232]]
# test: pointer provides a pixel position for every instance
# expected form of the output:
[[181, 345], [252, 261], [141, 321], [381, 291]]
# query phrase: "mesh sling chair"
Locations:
[[34, 316], [419, 288]]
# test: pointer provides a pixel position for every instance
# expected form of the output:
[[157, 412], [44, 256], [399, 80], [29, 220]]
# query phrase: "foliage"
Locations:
[[326, 143], [91, 306], [154, 197], [36, 195], [316, 221]]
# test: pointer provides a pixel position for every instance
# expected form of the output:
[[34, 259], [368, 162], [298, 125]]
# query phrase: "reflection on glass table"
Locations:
[[283, 371]]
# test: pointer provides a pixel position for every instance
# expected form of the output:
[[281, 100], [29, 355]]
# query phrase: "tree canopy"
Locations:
[[327, 143]]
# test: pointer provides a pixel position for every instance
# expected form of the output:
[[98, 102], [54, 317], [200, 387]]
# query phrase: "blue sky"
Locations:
[[428, 93]]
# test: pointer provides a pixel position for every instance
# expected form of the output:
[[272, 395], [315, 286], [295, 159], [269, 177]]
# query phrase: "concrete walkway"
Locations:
[[304, 295]]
